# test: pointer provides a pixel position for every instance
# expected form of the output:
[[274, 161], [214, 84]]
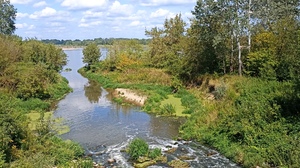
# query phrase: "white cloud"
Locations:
[[135, 23], [22, 15], [21, 25], [165, 2], [49, 13], [91, 14], [90, 24], [83, 4], [118, 8], [46, 12], [20, 1], [40, 4], [162, 13], [25, 25], [187, 15]]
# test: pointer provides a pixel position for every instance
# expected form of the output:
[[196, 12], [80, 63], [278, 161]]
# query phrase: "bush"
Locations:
[[168, 109], [137, 148], [156, 152], [220, 91]]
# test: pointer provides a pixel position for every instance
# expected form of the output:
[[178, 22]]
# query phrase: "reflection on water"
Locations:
[[92, 91]]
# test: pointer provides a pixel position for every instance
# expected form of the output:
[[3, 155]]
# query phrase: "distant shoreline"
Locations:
[[71, 48]]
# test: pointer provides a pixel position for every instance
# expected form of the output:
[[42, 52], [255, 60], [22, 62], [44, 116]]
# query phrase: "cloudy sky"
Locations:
[[88, 19]]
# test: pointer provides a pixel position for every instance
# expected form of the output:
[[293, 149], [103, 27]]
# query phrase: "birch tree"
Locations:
[[7, 17]]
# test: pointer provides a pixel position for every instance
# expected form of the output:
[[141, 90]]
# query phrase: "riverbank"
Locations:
[[148, 92], [30, 86], [225, 111]]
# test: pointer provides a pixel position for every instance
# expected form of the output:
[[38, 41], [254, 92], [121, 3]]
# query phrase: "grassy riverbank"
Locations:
[[30, 84], [153, 83], [249, 120], [27, 137]]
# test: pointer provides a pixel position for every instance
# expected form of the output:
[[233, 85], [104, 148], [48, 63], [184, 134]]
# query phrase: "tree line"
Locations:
[[254, 38], [85, 42], [251, 38]]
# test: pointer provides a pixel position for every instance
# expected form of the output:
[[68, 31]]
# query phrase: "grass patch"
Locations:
[[176, 103], [34, 118], [57, 126]]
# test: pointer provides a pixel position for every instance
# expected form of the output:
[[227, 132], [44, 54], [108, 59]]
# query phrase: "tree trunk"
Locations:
[[240, 57], [249, 26], [232, 53]]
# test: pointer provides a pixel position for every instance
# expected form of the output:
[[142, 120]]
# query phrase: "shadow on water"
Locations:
[[104, 127]]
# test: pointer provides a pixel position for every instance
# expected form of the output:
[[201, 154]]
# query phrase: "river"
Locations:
[[104, 127]]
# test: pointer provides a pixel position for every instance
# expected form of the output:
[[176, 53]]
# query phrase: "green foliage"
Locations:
[[154, 153], [32, 104], [253, 131], [166, 46], [8, 17], [12, 130], [138, 148], [168, 109], [29, 82], [59, 89], [124, 55], [91, 54], [48, 55], [261, 64]]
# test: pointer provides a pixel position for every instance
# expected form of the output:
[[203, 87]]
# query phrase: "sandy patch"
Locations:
[[131, 96]]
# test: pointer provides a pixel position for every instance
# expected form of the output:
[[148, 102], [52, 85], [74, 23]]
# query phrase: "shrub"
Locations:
[[137, 148], [220, 91], [168, 109], [156, 152]]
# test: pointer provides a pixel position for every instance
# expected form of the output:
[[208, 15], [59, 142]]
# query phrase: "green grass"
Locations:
[[176, 102], [34, 118], [57, 126]]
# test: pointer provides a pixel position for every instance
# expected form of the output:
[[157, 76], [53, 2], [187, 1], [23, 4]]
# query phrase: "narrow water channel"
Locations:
[[104, 127]]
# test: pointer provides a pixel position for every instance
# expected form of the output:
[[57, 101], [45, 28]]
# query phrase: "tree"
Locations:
[[7, 17], [91, 54], [166, 47], [54, 58]]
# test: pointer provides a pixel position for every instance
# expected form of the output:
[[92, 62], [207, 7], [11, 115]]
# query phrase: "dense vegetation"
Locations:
[[252, 118], [29, 83]]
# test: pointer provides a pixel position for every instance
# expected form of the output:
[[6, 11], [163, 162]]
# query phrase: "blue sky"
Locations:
[[88, 19]]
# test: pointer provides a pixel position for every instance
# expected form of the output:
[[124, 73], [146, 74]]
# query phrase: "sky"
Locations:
[[89, 19]]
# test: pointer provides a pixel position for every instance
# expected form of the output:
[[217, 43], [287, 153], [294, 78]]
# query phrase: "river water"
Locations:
[[104, 128]]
